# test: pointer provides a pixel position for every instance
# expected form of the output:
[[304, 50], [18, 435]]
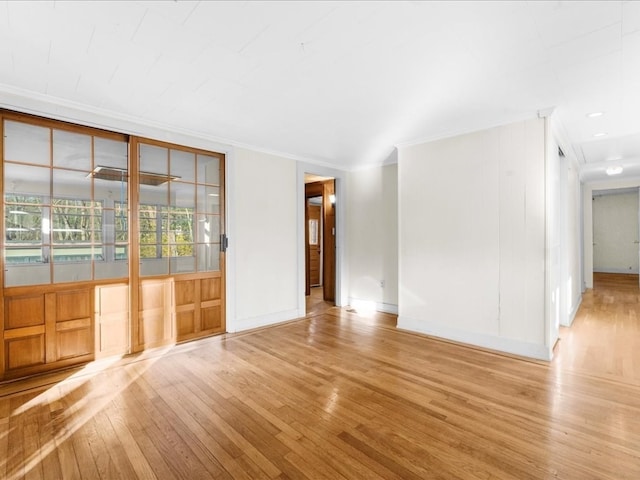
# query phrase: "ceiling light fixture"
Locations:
[[595, 114], [600, 134], [617, 170]]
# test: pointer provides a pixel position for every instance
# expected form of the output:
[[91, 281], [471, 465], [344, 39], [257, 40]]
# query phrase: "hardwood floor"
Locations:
[[338, 395]]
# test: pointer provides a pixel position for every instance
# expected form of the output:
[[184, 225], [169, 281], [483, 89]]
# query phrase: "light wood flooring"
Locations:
[[339, 395]]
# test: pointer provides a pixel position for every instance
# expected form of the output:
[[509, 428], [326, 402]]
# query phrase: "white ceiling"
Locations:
[[336, 82]]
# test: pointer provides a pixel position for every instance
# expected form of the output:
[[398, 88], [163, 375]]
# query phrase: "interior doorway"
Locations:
[[320, 236], [615, 231]]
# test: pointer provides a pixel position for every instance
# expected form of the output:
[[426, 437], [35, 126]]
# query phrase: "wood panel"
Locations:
[[112, 320], [74, 342], [47, 330], [24, 311], [24, 351], [211, 318], [329, 246], [73, 304], [198, 307], [155, 316]]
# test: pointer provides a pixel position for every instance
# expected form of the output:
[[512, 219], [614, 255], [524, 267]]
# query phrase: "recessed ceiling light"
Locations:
[[617, 170], [595, 114], [600, 134]]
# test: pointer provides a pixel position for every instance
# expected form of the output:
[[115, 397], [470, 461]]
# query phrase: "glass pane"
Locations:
[[72, 272], [183, 264], [75, 225], [70, 184], [183, 194], [209, 257], [27, 274], [23, 224], [180, 229], [208, 228], [26, 180], [78, 253], [150, 251], [154, 195], [183, 165], [153, 160], [178, 250], [71, 150], [111, 270], [26, 143], [122, 252], [23, 255], [148, 225], [208, 170], [208, 199], [110, 190], [159, 266], [110, 153], [121, 222]]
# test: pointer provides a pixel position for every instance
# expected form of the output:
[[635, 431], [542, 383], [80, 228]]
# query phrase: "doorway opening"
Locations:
[[616, 231], [320, 243]]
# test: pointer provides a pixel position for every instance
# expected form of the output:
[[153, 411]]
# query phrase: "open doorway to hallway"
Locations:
[[320, 243]]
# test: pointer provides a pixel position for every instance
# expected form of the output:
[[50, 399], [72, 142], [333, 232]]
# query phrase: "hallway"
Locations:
[[605, 336]]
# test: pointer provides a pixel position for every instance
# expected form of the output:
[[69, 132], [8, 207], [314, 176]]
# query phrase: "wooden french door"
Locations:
[[178, 278], [111, 244]]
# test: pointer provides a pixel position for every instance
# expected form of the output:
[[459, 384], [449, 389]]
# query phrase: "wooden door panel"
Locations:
[[152, 329], [112, 320], [24, 351], [210, 288], [211, 318], [73, 304], [185, 324], [74, 343], [24, 311], [185, 292], [113, 335], [155, 318]]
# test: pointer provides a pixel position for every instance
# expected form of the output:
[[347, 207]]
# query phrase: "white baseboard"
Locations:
[[379, 306], [263, 320], [491, 342], [616, 270]]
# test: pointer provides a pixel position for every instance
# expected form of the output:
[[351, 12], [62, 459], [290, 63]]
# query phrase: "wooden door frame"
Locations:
[[323, 189]]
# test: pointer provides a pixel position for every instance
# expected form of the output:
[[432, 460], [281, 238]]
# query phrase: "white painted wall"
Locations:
[[262, 190], [372, 236], [472, 238], [615, 232], [571, 284]]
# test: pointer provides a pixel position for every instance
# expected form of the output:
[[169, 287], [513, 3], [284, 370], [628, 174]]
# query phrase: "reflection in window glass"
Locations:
[[64, 214], [26, 143], [175, 212]]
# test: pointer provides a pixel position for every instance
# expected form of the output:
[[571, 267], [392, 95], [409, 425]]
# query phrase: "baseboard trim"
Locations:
[[490, 342], [616, 270], [379, 306], [263, 320]]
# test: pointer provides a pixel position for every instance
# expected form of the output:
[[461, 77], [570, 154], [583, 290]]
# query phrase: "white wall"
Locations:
[[472, 238], [615, 232], [263, 240], [571, 284], [372, 236]]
